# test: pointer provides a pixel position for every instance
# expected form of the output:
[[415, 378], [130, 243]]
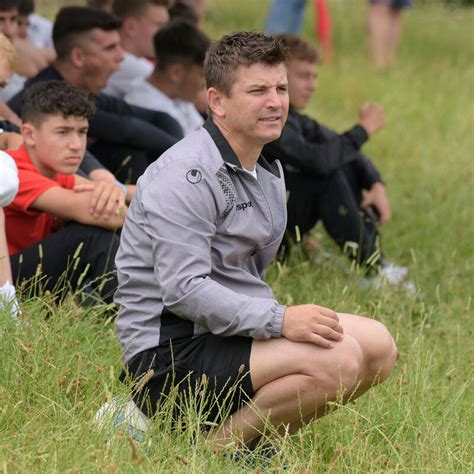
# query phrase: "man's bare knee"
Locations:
[[382, 353], [339, 372]]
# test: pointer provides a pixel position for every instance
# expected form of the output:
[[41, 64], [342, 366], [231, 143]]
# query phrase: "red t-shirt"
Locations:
[[25, 226]]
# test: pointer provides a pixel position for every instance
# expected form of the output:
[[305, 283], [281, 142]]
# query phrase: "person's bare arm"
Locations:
[[31, 60], [69, 205], [8, 114], [10, 141]]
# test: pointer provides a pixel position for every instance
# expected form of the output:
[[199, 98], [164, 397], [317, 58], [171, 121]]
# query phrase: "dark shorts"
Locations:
[[397, 4], [211, 372]]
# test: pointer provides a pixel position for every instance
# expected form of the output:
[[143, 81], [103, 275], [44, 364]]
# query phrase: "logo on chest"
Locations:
[[243, 206]]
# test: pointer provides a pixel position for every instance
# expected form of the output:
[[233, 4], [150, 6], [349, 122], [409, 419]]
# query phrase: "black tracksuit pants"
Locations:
[[335, 200], [75, 258]]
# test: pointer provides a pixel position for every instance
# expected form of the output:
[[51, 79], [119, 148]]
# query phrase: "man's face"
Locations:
[[9, 23], [146, 27], [192, 82], [257, 107], [23, 23], [102, 54], [5, 72], [301, 82], [58, 144]]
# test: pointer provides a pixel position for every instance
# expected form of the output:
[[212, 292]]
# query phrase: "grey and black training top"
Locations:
[[198, 237]]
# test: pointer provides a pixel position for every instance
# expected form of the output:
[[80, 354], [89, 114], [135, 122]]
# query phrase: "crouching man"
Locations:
[[206, 221]]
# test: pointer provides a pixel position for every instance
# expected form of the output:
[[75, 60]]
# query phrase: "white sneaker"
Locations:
[[123, 415], [392, 275]]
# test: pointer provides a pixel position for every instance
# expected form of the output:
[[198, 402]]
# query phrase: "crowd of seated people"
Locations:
[[131, 86]]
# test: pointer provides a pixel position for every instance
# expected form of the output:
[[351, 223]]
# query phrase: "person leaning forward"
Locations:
[[207, 219]]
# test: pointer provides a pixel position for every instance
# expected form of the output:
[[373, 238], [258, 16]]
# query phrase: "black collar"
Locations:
[[228, 154]]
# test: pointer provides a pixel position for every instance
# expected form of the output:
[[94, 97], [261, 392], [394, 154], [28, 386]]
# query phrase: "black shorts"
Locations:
[[176, 372]]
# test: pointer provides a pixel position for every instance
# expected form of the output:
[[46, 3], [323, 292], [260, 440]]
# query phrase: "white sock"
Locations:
[[8, 298]]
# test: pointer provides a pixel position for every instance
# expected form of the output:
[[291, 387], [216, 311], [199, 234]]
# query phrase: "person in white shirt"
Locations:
[[178, 76], [141, 19]]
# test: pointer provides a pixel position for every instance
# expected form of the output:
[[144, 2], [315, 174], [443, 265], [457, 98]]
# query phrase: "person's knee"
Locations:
[[381, 354], [341, 374]]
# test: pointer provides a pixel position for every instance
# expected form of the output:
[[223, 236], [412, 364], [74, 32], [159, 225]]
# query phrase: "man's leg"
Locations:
[[5, 270], [293, 382], [77, 257], [333, 200]]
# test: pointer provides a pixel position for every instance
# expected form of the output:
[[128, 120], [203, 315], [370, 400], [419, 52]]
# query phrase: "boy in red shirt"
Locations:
[[80, 255]]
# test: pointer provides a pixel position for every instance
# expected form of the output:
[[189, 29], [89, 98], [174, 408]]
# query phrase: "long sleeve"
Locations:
[[181, 223]]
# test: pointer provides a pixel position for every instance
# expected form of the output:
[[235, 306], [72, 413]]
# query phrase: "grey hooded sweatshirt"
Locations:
[[198, 237]]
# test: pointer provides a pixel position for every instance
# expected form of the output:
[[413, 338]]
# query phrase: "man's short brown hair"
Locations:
[[244, 48], [298, 48], [127, 8]]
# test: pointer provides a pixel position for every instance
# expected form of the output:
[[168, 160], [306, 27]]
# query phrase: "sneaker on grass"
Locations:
[[123, 415], [391, 275]]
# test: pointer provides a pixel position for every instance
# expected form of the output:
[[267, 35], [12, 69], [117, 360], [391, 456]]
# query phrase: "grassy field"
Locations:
[[56, 372]]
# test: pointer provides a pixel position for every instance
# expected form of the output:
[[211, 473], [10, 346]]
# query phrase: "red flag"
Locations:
[[324, 28]]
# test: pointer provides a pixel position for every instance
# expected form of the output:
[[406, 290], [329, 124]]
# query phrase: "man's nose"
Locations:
[[274, 99], [76, 142]]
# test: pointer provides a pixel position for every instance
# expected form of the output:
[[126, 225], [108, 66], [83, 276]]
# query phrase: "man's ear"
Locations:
[[129, 27], [28, 134], [176, 72], [77, 57], [216, 102]]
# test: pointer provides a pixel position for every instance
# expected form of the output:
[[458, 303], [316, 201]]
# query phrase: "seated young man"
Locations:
[[207, 219], [141, 20], [124, 138], [45, 254], [8, 190], [178, 77], [327, 174]]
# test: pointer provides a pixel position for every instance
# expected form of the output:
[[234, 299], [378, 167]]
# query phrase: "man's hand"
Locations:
[[372, 118], [101, 174], [377, 197], [312, 323], [107, 199]]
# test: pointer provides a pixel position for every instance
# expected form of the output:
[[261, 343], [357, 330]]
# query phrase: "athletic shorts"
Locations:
[[209, 371], [398, 4]]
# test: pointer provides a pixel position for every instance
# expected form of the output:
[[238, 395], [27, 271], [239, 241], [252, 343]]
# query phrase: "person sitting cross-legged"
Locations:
[[178, 77], [328, 177], [207, 219], [43, 251]]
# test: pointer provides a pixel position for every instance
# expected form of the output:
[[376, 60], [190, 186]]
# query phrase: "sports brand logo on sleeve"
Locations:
[[194, 176]]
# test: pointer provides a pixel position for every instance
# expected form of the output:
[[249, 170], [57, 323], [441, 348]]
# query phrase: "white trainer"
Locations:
[[393, 275], [123, 415]]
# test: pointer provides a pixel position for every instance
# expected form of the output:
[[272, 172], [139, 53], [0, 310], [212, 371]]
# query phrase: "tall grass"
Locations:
[[56, 372]]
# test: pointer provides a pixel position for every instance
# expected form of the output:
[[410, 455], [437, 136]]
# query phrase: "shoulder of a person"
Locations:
[[194, 160], [6, 161]]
